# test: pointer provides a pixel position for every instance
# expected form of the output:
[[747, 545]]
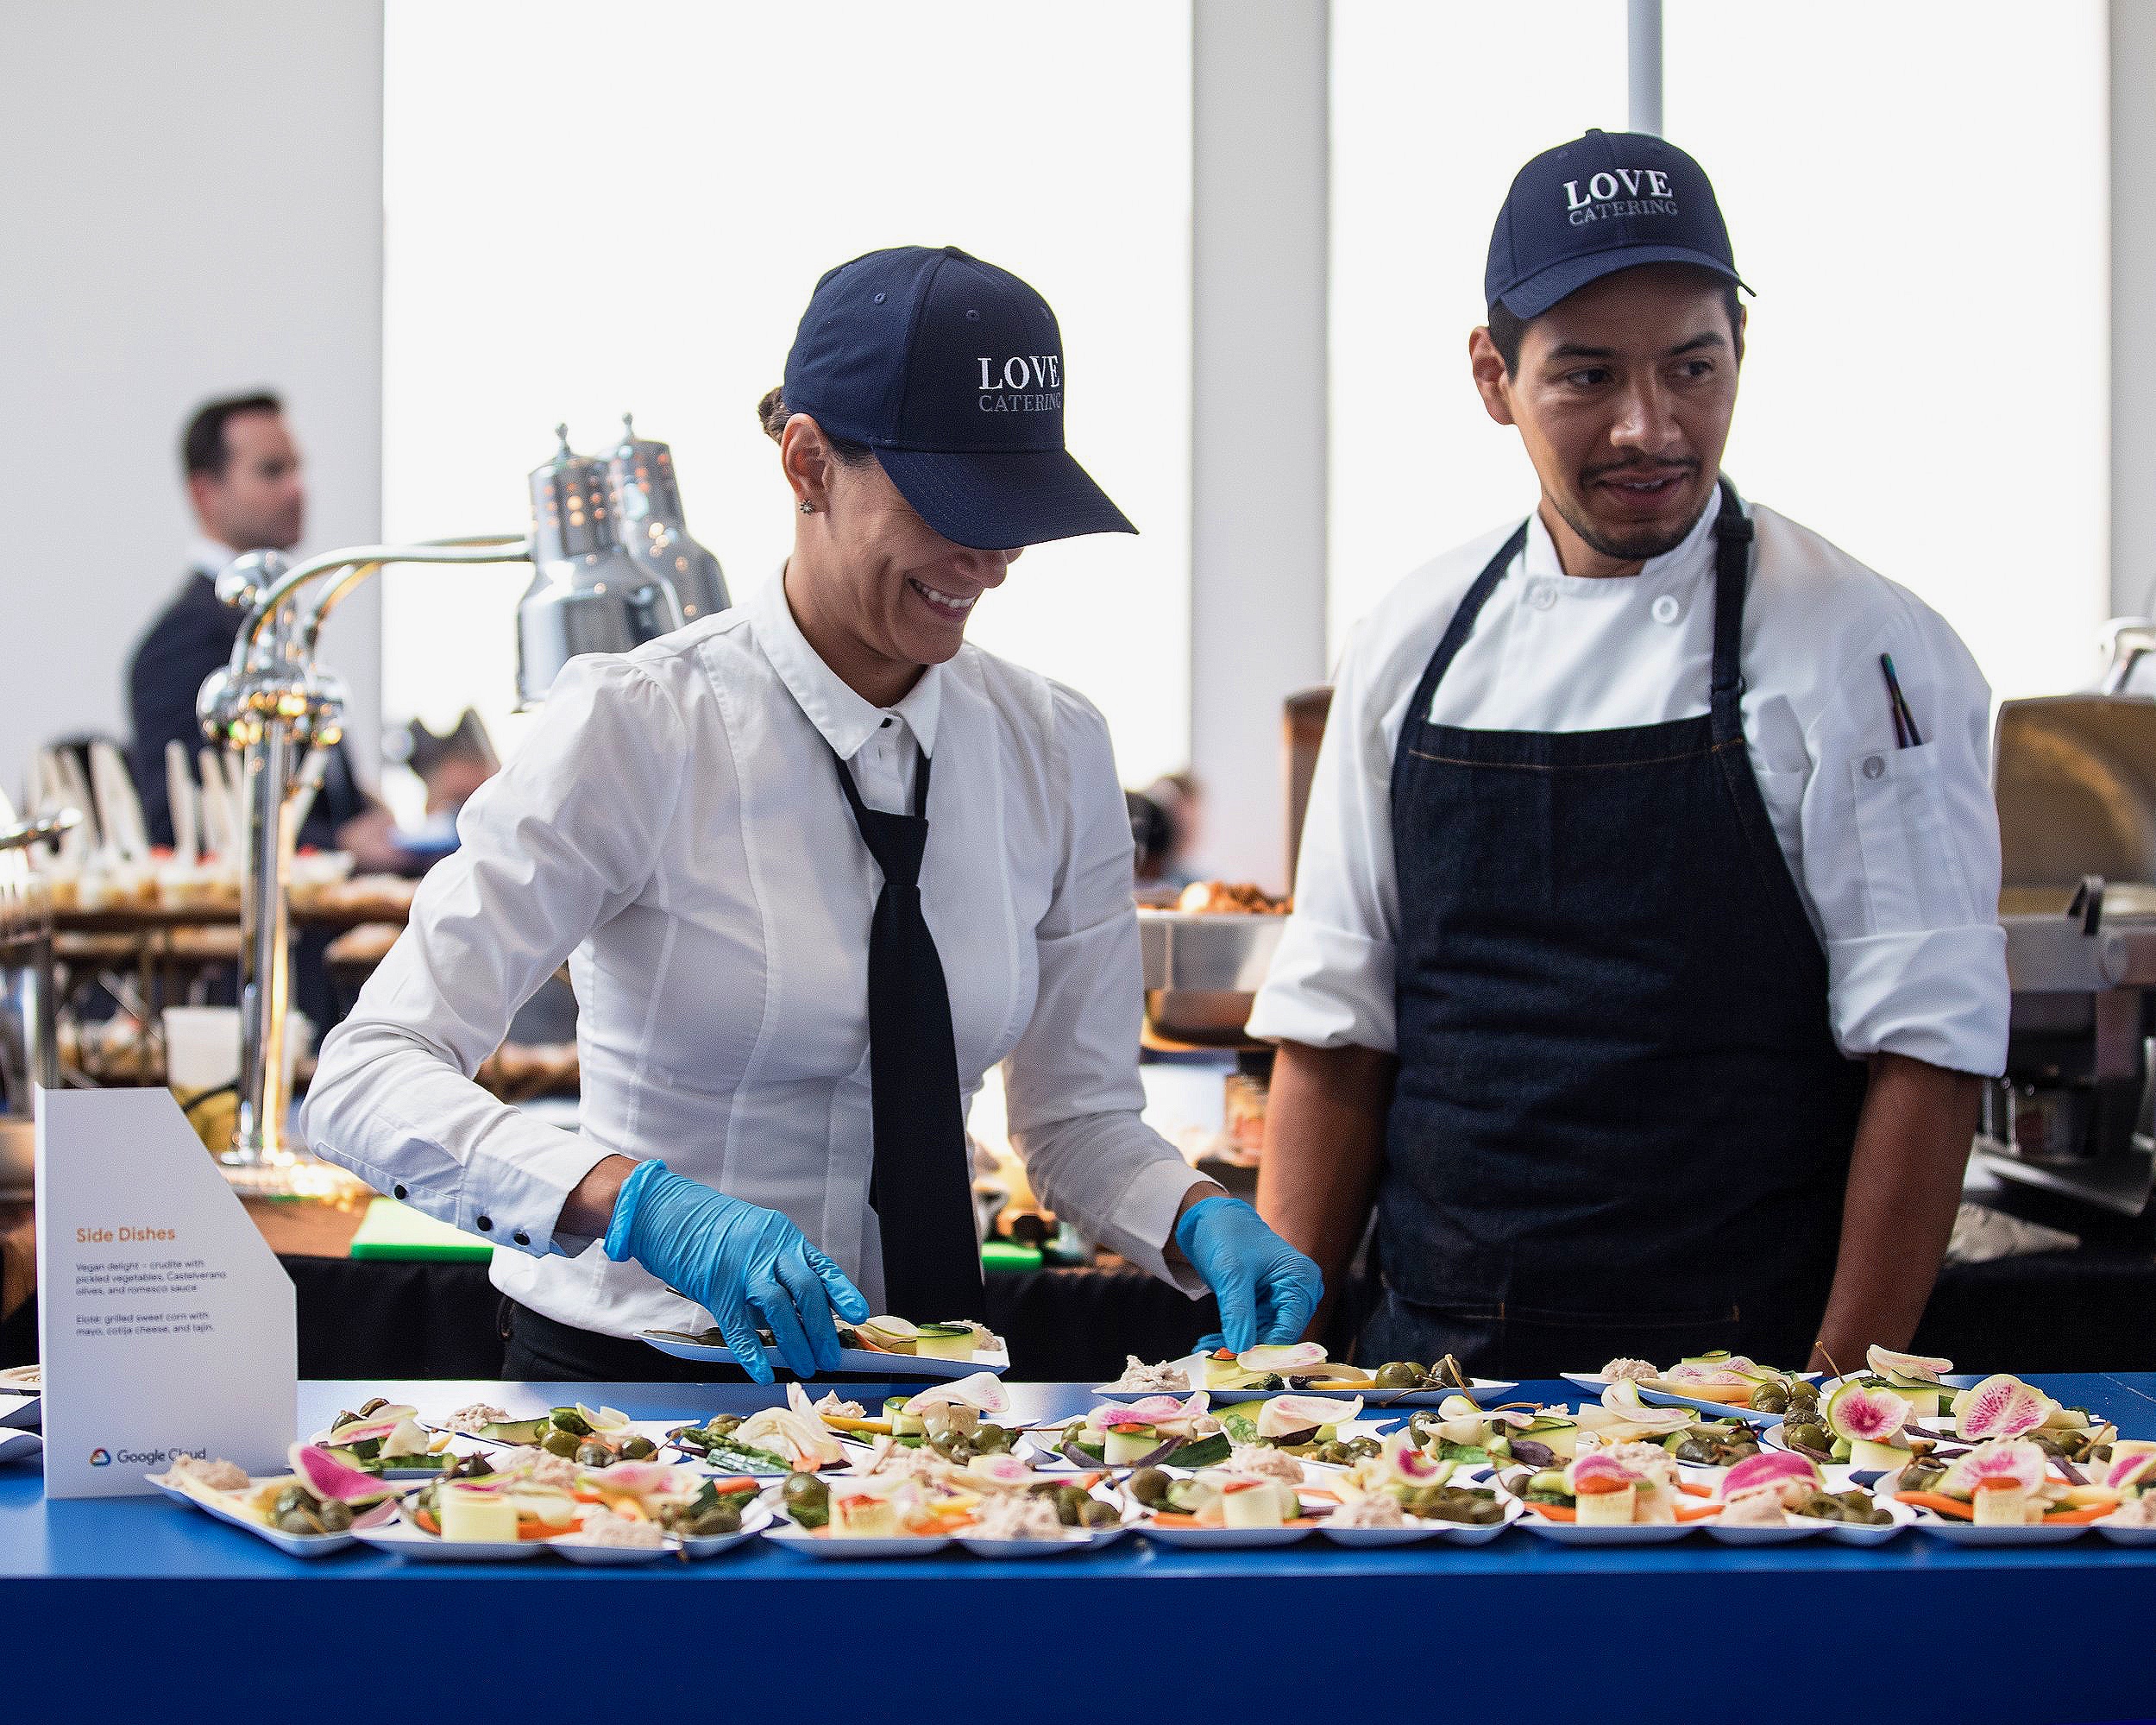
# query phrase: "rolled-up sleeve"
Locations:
[[549, 848], [1331, 981], [1900, 855], [1071, 1083]]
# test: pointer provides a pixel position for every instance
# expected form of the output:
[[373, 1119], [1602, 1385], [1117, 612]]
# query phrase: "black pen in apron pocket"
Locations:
[[1905, 735]]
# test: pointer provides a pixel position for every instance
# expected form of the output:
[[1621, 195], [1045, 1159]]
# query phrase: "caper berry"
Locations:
[[639, 1448], [1098, 1514], [1398, 1375], [1770, 1398], [298, 1521], [593, 1455], [561, 1444], [334, 1517]]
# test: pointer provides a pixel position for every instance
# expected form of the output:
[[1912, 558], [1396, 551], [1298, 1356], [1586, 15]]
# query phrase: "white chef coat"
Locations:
[[674, 827], [1894, 851]]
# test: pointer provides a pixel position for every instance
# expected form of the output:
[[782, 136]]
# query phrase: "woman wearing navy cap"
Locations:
[[795, 956]]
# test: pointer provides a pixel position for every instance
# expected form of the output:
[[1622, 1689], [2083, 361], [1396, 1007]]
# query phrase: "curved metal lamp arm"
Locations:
[[361, 561], [2125, 640]]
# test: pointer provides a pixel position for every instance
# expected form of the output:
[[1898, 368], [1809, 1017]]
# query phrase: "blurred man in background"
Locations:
[[246, 488]]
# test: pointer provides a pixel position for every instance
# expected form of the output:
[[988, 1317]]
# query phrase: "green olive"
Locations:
[[334, 1517], [1808, 1437], [721, 1518], [293, 1497], [1150, 1486], [593, 1455], [373, 1406], [1398, 1375], [807, 1500], [1098, 1514], [639, 1448], [1770, 1398], [298, 1521], [563, 1444], [992, 1440]]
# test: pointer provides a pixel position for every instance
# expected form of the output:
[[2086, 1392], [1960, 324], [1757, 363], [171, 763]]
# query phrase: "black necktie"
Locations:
[[922, 1182]]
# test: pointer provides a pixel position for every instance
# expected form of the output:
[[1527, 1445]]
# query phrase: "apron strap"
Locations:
[[1732, 570], [1462, 624]]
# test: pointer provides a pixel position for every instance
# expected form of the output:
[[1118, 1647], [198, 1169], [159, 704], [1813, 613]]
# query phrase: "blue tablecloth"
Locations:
[[114, 1608]]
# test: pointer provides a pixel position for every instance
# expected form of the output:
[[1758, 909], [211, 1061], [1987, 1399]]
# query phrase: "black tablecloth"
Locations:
[[2091, 1310]]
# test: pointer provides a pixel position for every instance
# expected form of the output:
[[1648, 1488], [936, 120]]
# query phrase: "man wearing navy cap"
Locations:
[[1646, 955]]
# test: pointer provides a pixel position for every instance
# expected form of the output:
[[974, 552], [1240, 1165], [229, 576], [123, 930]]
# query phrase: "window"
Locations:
[[1919, 193], [589, 211], [1434, 109]]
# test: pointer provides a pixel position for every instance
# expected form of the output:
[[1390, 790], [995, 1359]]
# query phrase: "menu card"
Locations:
[[165, 1324]]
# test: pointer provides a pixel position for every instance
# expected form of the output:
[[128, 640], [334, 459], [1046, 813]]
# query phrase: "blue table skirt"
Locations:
[[112, 1609]]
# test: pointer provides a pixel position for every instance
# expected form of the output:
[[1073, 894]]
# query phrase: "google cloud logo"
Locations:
[[101, 1458]]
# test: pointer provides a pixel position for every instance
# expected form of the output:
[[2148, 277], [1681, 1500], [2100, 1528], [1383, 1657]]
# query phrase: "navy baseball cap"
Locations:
[[952, 371], [1600, 203]]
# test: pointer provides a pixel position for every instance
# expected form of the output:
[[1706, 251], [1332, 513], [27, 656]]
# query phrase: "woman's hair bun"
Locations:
[[774, 412]]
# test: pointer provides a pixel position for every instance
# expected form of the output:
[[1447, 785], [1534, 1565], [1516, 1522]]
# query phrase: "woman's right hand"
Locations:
[[742, 1263]]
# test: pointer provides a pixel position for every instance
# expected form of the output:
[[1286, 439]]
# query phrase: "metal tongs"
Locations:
[[40, 831]]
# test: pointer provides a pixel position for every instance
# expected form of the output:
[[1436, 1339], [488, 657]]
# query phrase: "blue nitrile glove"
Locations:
[[739, 1263], [1267, 1289]]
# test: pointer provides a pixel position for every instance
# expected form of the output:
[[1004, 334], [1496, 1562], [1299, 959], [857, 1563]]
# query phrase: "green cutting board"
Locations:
[[397, 1231]]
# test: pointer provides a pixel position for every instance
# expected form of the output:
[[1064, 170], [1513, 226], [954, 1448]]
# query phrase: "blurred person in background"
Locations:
[[247, 492], [451, 764]]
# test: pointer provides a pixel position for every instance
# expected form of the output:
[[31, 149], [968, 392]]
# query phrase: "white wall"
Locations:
[[193, 206]]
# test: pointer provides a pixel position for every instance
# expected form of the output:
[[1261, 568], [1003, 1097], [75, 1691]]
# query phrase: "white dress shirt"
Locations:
[[673, 827], [1894, 851], [206, 555]]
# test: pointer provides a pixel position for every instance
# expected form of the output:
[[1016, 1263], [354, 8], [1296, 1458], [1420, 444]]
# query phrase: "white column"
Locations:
[[194, 209], [1258, 459], [2133, 309], [1643, 66]]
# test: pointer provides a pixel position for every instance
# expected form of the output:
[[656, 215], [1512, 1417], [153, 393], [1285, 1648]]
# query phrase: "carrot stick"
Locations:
[[2078, 1518], [1938, 1501], [1692, 1489], [1697, 1512], [1174, 1517], [1555, 1512]]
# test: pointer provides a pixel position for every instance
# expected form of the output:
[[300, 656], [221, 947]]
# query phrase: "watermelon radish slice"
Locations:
[[326, 1477], [2008, 1458], [1862, 1415], [1599, 1465], [1769, 1467], [1280, 1359], [2001, 1406], [1409, 1461], [1908, 1368], [1284, 1415], [1622, 1399], [636, 1478], [2138, 1471]]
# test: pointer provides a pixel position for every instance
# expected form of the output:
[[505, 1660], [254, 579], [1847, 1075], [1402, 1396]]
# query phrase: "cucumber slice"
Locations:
[[524, 1431]]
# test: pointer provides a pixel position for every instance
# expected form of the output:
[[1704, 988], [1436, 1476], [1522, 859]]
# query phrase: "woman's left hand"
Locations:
[[1267, 1289]]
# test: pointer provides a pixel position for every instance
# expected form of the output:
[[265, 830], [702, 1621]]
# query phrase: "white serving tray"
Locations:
[[861, 1360], [292, 1544]]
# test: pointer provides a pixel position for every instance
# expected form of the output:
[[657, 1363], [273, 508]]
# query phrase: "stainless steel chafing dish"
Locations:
[[2076, 780], [1203, 970]]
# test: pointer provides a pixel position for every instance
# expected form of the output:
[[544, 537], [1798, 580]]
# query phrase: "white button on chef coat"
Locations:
[[674, 829], [1894, 851]]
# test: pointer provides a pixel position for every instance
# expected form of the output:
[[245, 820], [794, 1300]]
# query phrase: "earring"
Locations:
[[806, 507]]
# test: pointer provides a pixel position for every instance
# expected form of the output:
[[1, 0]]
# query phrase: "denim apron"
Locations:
[[1621, 1124]]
